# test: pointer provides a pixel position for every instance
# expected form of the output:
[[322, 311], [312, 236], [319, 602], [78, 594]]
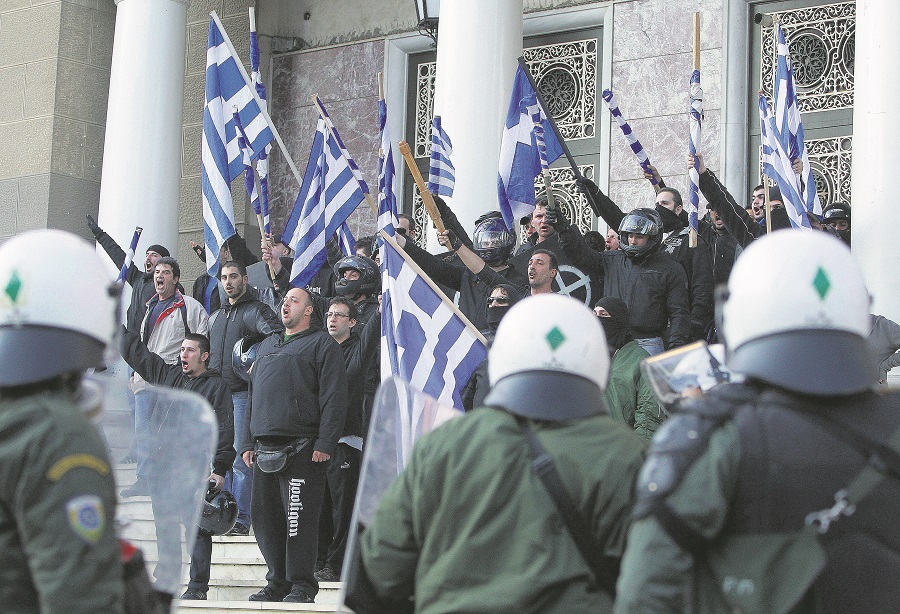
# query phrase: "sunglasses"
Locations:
[[500, 300], [400, 231]]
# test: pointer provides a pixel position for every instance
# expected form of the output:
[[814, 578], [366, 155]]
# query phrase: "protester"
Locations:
[[837, 216], [450, 528], [612, 240], [724, 247], [736, 505]]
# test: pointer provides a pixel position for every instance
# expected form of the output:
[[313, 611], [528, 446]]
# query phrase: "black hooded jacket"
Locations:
[[208, 384]]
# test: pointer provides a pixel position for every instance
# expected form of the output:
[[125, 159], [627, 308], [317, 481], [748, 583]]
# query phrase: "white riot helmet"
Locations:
[[57, 307], [549, 360], [796, 315]]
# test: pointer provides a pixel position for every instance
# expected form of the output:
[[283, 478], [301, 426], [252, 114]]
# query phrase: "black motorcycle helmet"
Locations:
[[644, 222], [243, 355], [220, 512], [492, 241], [837, 211], [369, 281]]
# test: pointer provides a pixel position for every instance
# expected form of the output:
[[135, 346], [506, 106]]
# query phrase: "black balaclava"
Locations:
[[496, 312], [671, 221], [616, 325]]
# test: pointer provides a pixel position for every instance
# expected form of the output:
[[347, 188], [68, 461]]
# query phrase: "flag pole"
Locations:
[[562, 142], [433, 286], [427, 198], [692, 234], [262, 108], [321, 111], [768, 205]]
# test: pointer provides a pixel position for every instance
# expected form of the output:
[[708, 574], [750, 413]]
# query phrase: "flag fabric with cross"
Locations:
[[262, 163], [776, 165]]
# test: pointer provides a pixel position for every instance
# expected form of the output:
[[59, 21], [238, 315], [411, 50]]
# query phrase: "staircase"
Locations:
[[238, 569]]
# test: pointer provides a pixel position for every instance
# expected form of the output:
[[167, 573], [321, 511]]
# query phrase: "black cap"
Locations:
[[159, 249]]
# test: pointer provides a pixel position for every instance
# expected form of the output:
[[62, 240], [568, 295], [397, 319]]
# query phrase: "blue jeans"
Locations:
[[653, 345], [240, 478]]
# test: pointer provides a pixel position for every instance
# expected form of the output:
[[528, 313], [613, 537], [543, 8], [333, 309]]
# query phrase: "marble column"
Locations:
[[142, 152], [876, 149], [478, 43]]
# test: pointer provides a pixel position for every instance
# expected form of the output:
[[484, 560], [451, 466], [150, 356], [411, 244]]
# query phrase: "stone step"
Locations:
[[240, 590], [250, 607], [224, 548]]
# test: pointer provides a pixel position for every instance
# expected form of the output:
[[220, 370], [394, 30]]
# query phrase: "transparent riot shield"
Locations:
[[172, 434], [687, 371], [400, 416]]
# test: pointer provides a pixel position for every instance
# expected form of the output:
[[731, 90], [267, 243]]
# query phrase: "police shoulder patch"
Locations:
[[87, 517]]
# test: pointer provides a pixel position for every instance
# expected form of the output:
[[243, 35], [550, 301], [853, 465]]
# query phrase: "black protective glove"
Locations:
[[333, 251], [92, 225], [451, 222], [455, 241], [591, 193], [556, 218]]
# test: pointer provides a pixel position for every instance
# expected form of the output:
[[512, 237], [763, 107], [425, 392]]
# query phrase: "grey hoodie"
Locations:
[[884, 338]]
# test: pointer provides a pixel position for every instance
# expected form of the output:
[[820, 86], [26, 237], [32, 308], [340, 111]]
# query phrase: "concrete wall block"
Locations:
[[82, 92], [68, 147], [198, 37], [198, 11], [40, 88], [30, 35], [103, 28], [190, 150], [70, 199], [194, 98], [106, 6], [75, 33], [12, 94], [9, 200], [13, 5], [190, 208], [34, 197], [31, 154], [88, 4], [191, 266], [240, 8], [94, 138]]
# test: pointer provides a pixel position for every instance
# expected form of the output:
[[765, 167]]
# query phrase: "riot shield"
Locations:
[[177, 436], [400, 416], [687, 371]]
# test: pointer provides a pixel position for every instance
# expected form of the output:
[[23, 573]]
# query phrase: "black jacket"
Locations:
[[655, 289], [360, 352], [246, 318], [725, 250], [208, 384], [738, 223], [298, 388], [473, 292]]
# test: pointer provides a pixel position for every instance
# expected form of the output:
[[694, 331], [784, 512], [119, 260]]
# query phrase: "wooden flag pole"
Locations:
[[692, 235], [768, 205], [423, 189], [540, 99], [433, 285], [369, 200]]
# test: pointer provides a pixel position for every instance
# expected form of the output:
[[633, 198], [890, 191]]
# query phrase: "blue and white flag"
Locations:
[[520, 162], [249, 175], [387, 199], [696, 114], [633, 142], [788, 123], [346, 240], [262, 163], [441, 173], [329, 194], [221, 156], [424, 341], [777, 166], [129, 256]]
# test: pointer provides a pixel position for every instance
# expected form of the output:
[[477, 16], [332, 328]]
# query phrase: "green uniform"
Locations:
[[467, 527], [57, 511], [629, 395]]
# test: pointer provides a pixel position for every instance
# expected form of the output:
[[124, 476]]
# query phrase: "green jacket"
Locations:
[[629, 396], [57, 511], [467, 527]]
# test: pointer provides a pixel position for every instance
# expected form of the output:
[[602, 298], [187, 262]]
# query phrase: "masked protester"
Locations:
[[770, 495], [500, 300], [629, 396], [837, 217]]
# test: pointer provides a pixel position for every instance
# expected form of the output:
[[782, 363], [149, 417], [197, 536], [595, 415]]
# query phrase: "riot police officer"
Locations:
[[771, 495], [57, 492]]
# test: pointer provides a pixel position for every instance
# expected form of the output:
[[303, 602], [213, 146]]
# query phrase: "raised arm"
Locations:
[[740, 225]]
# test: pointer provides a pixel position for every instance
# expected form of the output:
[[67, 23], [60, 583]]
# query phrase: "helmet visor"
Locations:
[[488, 239], [637, 224]]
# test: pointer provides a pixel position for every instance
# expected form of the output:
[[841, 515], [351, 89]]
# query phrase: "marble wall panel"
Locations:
[[340, 73], [660, 85], [649, 28]]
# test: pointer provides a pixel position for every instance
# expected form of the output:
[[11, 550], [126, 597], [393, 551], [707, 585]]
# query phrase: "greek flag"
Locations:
[[441, 173], [262, 163], [520, 162], [788, 124], [221, 156], [329, 194], [249, 175], [633, 142], [777, 166], [423, 340], [346, 240], [387, 199], [696, 112]]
